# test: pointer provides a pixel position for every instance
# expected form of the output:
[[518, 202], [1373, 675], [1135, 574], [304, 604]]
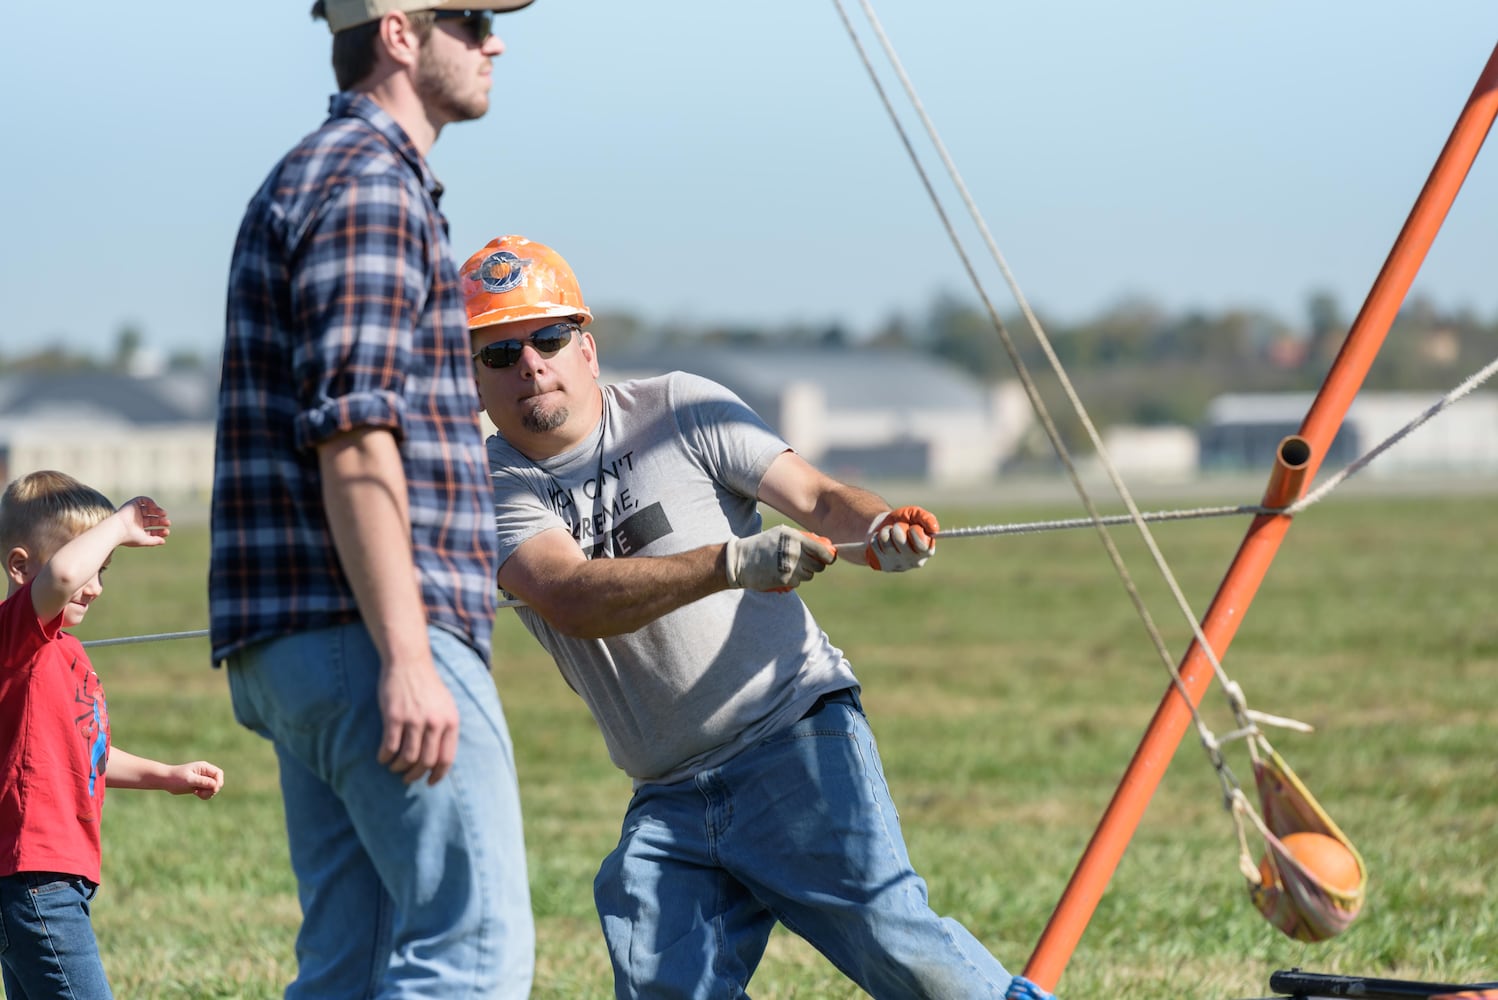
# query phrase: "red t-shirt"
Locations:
[[54, 743]]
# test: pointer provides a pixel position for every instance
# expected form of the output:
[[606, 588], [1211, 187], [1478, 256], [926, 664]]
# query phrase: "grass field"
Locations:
[[1009, 683]]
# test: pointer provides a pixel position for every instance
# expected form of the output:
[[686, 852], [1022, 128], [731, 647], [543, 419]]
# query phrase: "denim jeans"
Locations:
[[406, 890], [47, 943], [800, 829]]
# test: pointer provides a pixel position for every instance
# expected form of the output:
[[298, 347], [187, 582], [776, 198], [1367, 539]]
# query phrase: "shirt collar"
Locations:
[[352, 104]]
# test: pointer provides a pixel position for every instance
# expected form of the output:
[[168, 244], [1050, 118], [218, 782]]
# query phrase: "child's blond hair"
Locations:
[[43, 511]]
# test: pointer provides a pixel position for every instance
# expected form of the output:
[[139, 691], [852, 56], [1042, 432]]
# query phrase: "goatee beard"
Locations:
[[540, 421]]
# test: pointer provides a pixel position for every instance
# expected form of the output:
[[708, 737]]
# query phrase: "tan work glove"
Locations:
[[778, 559]]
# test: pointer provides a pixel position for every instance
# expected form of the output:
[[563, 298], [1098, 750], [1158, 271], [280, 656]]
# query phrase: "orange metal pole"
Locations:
[[1295, 466]]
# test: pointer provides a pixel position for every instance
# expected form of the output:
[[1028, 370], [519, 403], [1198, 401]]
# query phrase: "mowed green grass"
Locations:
[[1009, 683]]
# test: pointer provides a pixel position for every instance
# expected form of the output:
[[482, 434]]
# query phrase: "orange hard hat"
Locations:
[[513, 278]]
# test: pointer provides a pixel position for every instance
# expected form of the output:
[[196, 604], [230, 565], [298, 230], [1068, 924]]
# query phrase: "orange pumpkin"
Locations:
[[1327, 858]]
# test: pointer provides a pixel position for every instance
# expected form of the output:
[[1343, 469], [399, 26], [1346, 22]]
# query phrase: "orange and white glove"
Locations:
[[901, 539], [778, 559]]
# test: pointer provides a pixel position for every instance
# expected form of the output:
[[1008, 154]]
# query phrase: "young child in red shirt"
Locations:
[[57, 537]]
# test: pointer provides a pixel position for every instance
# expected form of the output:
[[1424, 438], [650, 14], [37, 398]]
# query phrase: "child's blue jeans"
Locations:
[[47, 943]]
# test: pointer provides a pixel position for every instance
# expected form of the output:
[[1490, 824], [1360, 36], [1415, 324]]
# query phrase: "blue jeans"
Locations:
[[406, 890], [47, 944], [800, 829]]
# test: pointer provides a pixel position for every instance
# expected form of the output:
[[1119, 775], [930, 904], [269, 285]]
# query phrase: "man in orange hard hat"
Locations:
[[628, 523]]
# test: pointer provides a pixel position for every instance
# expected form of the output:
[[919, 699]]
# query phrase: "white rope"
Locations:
[[1247, 720], [1315, 496], [1033, 527], [157, 637], [1037, 527], [203, 632], [1356, 466], [1135, 517]]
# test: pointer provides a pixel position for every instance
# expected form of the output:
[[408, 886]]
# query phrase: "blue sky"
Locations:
[[713, 162]]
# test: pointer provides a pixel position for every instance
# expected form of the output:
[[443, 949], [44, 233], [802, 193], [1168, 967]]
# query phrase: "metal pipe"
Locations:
[[1292, 460]]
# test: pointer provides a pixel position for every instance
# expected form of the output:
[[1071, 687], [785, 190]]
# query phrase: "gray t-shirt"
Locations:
[[675, 464]]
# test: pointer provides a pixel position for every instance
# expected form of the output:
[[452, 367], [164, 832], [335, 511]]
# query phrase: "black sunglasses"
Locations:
[[547, 341], [479, 24]]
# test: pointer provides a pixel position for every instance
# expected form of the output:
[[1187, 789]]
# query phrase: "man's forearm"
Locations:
[[843, 513], [602, 597], [364, 496], [836, 510]]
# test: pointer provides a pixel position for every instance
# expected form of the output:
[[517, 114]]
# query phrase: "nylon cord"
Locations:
[[1237, 704], [1153, 632]]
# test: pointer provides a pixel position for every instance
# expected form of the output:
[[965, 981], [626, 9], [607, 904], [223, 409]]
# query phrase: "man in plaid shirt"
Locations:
[[352, 579]]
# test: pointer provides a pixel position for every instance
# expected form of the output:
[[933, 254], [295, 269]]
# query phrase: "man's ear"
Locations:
[[399, 39], [17, 561], [590, 351]]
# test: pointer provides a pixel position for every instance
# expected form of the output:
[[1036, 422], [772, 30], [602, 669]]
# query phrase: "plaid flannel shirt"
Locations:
[[345, 311]]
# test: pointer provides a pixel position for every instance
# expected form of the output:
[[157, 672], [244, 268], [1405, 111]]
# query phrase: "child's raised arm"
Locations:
[[140, 523]]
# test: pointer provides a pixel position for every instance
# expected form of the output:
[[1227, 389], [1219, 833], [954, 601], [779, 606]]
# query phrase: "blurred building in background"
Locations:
[[1243, 431], [862, 415], [123, 435], [1158, 454], [868, 414]]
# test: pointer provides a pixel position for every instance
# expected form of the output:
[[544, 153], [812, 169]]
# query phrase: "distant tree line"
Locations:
[[1133, 363], [1138, 363], [131, 354]]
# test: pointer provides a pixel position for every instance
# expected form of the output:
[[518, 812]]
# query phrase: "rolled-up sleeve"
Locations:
[[362, 291]]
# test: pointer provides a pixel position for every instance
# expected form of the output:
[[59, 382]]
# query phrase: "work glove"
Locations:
[[778, 559], [901, 539]]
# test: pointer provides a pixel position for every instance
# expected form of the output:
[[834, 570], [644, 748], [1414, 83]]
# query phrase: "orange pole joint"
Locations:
[[1296, 464], [1292, 461]]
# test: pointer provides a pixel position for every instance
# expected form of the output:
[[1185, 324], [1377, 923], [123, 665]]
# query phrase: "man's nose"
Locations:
[[531, 360]]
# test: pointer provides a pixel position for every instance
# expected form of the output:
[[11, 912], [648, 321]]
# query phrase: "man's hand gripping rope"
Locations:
[[776, 560], [901, 540]]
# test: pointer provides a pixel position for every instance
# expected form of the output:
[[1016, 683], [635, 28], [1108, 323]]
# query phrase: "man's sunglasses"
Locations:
[[547, 341], [479, 24]]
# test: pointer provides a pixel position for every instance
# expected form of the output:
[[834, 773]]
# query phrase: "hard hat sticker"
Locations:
[[501, 271]]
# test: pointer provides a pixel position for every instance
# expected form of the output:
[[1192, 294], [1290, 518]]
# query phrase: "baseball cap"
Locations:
[[343, 14]]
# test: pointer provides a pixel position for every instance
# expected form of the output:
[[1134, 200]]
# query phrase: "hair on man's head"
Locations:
[[44, 510], [354, 48]]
